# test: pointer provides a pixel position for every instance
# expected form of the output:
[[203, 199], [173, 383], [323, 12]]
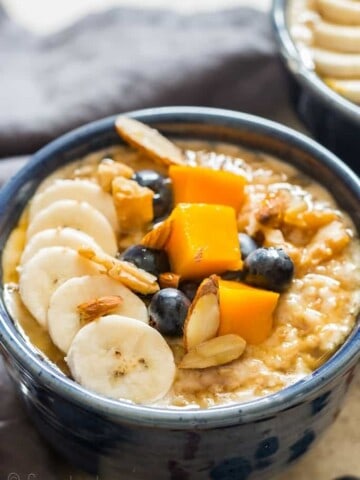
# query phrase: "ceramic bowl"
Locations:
[[332, 119], [114, 439]]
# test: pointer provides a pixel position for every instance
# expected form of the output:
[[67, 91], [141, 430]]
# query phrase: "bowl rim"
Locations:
[[163, 417], [305, 76]]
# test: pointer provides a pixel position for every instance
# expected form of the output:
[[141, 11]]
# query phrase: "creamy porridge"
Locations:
[[189, 275]]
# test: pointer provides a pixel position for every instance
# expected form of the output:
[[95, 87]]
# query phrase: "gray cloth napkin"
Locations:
[[114, 62], [125, 59]]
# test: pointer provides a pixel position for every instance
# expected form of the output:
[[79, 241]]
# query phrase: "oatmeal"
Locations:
[[194, 274]]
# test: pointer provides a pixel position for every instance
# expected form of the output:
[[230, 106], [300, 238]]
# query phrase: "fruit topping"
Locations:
[[246, 311], [206, 185], [161, 186], [269, 268], [203, 240], [247, 245], [168, 309], [149, 259]]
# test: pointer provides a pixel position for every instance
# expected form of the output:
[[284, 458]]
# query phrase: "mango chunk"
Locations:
[[203, 240], [206, 185], [246, 311]]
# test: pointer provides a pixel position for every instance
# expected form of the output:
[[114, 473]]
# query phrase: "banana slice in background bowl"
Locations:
[[319, 43]]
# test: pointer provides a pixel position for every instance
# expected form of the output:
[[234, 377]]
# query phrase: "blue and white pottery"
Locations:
[[118, 440]]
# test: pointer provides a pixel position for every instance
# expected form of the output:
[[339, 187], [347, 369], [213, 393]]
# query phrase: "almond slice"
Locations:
[[149, 141], [128, 274], [203, 319], [98, 307], [158, 236], [214, 352]]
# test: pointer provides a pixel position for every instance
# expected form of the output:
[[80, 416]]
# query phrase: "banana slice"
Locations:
[[122, 358], [45, 272], [347, 88], [64, 316], [340, 11], [338, 65], [78, 215], [57, 237], [337, 37], [79, 190]]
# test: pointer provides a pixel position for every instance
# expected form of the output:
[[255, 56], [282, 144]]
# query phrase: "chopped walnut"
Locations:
[[133, 203], [271, 210], [326, 244], [108, 170]]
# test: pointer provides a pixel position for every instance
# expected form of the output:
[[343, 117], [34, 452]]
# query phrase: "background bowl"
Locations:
[[252, 440], [331, 118]]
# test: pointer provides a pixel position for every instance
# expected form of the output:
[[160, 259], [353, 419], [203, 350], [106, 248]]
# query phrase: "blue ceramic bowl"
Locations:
[[332, 119], [252, 440]]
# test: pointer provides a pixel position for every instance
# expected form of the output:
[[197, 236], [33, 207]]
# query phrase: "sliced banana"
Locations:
[[338, 65], [337, 37], [340, 11], [122, 358], [64, 317], [79, 190], [57, 237], [78, 215], [347, 88], [45, 272]]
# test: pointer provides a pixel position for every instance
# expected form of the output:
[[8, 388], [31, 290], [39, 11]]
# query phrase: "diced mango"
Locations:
[[206, 185], [203, 240], [246, 311]]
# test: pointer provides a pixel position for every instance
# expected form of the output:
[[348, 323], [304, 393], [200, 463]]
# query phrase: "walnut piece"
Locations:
[[169, 280], [108, 170], [133, 204]]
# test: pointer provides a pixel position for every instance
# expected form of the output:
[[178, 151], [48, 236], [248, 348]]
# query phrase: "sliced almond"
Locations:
[[98, 307], [214, 352], [108, 170], [158, 236], [133, 203], [128, 274], [203, 318], [149, 141], [169, 280]]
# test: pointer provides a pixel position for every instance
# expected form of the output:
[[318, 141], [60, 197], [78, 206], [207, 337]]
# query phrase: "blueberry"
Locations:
[[233, 275], [168, 309], [247, 245], [161, 186], [269, 268], [189, 288], [153, 261]]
